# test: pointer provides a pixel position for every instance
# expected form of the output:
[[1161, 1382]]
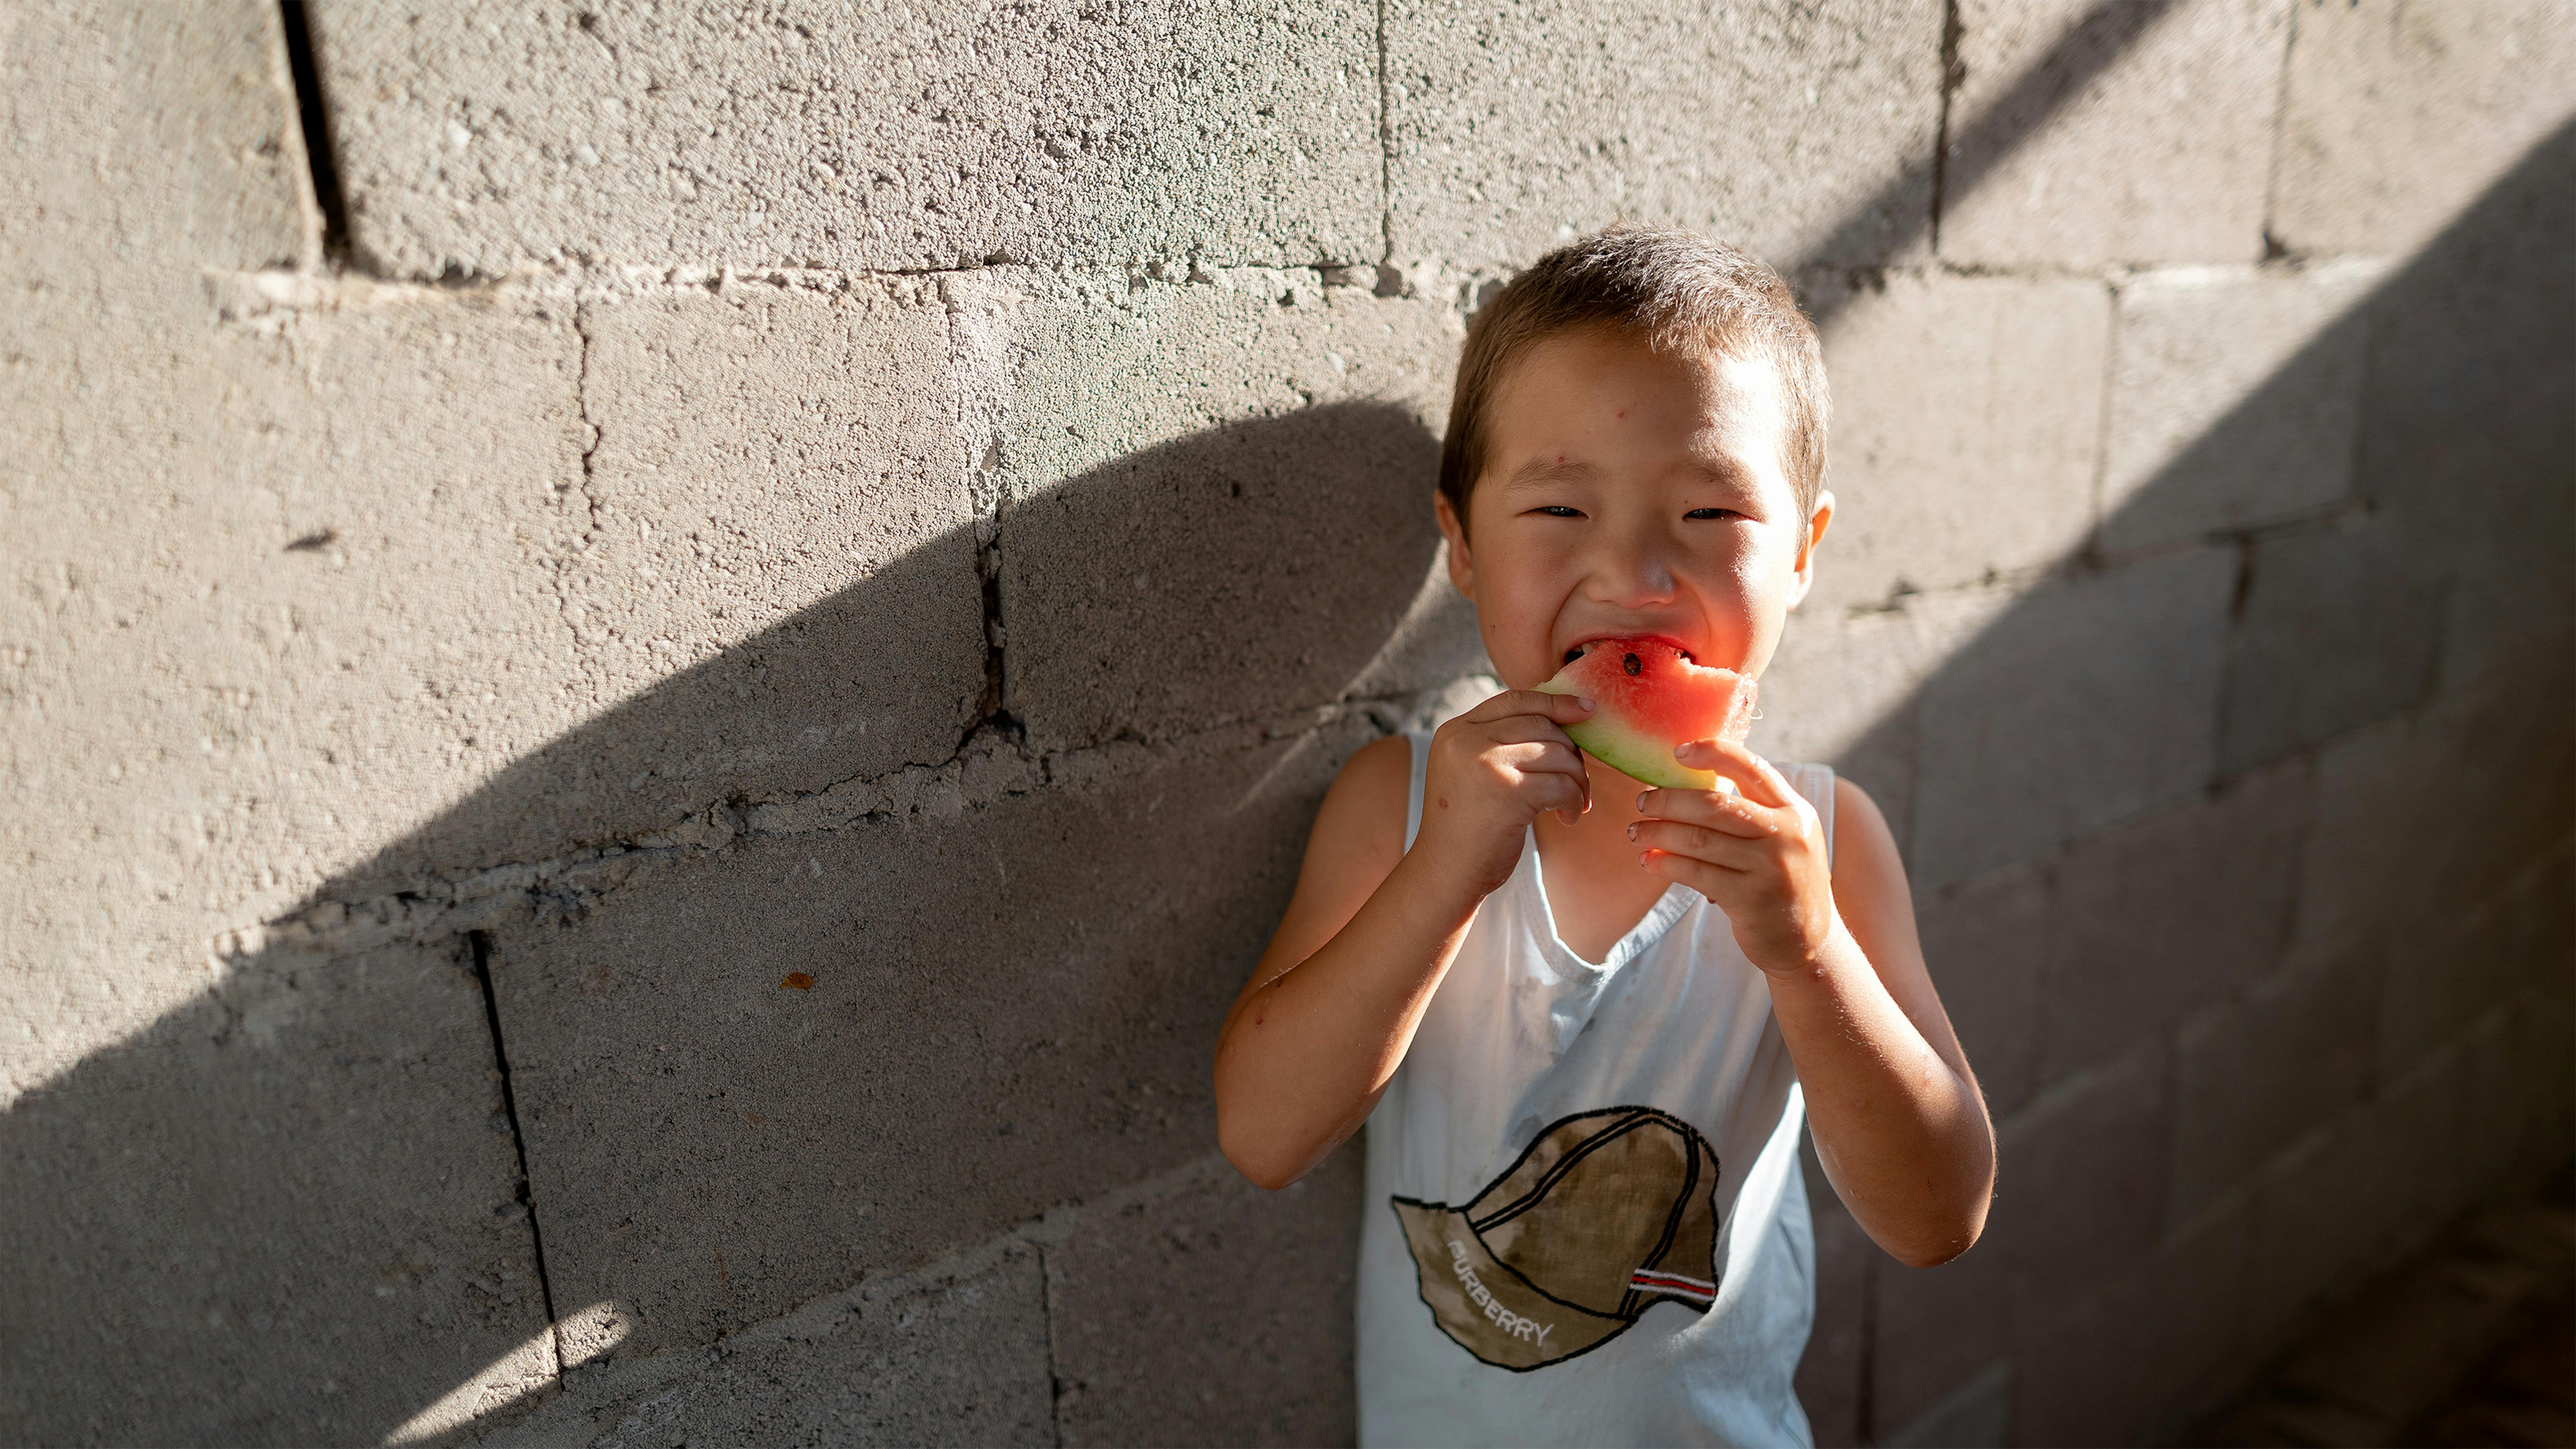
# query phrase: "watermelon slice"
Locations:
[[1651, 699]]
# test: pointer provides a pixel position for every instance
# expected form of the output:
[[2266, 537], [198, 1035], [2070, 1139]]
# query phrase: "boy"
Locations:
[[1575, 1013]]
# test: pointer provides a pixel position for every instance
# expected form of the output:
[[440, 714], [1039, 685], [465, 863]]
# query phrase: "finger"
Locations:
[[1733, 814], [1522, 729], [1551, 757], [1552, 792], [1565, 709], [1699, 842], [1715, 882], [1750, 772]]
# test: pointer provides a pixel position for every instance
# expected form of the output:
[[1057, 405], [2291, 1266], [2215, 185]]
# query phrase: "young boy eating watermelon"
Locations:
[[1583, 963]]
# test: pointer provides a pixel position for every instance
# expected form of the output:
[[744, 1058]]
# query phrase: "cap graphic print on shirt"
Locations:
[[1606, 1214]]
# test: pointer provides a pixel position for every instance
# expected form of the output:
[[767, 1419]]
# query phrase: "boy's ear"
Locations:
[[1817, 523], [1462, 569]]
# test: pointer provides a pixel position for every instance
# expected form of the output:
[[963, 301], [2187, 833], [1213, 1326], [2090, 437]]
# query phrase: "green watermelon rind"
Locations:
[[1630, 753]]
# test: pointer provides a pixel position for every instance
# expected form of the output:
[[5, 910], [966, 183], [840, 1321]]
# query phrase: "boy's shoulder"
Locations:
[[1364, 810]]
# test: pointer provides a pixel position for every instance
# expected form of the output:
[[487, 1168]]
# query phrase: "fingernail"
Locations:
[[1587, 704], [1632, 832], [1641, 798]]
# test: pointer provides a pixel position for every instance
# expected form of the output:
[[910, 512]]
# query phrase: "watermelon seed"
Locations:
[[1632, 663]]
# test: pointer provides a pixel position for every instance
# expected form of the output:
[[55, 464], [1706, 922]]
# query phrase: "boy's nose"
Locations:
[[1632, 579]]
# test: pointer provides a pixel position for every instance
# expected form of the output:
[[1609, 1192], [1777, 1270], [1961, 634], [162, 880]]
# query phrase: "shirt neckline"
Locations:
[[1650, 928]]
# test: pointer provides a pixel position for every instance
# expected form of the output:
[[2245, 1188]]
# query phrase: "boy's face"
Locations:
[[1627, 492]]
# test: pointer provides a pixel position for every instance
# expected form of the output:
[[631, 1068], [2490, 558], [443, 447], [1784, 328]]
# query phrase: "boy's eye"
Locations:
[[1557, 510], [1709, 513]]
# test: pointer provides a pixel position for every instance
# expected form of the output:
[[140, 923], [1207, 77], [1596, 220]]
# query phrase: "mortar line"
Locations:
[[2092, 550], [1952, 76], [1046, 1309], [1385, 147], [481, 944], [320, 158], [2271, 239]]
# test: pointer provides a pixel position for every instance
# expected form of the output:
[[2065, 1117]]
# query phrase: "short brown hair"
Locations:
[[1674, 289]]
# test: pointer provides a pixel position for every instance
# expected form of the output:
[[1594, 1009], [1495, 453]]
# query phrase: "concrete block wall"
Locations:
[[657, 692]]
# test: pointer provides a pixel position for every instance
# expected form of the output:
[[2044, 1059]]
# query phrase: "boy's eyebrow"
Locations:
[[1539, 471]]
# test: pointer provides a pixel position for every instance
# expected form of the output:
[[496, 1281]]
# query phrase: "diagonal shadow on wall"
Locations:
[[1011, 965], [1037, 972]]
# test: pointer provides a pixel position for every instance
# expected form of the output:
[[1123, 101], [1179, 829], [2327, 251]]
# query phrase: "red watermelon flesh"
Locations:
[[1650, 699]]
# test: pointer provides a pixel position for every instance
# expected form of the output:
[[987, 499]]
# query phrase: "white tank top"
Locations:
[[1584, 1220]]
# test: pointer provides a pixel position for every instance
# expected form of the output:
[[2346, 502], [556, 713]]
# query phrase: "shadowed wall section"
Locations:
[[632, 813]]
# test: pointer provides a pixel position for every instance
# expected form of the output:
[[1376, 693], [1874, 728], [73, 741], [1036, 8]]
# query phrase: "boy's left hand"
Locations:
[[1757, 853]]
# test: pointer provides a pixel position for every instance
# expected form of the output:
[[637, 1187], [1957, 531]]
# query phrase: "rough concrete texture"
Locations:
[[759, 631], [2234, 400], [1213, 498], [953, 1354], [886, 137], [2123, 133], [1948, 394], [776, 463], [1004, 1006], [1206, 1311], [2399, 116], [375, 1259], [2127, 723], [1803, 134]]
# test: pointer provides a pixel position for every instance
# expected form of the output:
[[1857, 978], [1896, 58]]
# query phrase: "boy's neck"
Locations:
[[1595, 888]]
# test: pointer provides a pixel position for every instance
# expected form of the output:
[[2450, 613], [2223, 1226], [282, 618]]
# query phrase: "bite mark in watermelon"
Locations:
[[1651, 698]]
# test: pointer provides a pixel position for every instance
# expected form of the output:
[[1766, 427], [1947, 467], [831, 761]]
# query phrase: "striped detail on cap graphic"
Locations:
[[1655, 1281]]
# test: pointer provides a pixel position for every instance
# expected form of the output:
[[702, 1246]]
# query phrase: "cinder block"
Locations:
[[1845, 688], [2079, 1183], [1219, 498], [2088, 134], [1987, 942], [2503, 763], [1979, 1411], [2399, 116], [2336, 627], [2252, 1076], [2444, 973], [2136, 1361], [2359, 1190], [755, 1075], [1967, 432], [2358, 874], [901, 136], [1210, 1312], [2090, 700], [775, 514], [2465, 439], [949, 1356], [2235, 399], [1937, 1330], [1829, 1382], [148, 141], [2543, 1035], [2162, 915], [296, 1200], [1801, 135]]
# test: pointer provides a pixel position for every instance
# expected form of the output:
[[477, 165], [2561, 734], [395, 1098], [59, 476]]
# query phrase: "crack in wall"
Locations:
[[480, 943], [995, 765], [321, 156]]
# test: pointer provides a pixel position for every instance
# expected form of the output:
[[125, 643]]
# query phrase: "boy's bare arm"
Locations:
[[1329, 1013], [1899, 1123]]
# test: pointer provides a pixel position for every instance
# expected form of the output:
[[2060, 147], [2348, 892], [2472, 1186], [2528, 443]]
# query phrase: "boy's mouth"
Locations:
[[1586, 646]]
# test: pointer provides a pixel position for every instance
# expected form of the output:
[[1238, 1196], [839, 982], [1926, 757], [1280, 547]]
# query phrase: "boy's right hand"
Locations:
[[1492, 771]]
